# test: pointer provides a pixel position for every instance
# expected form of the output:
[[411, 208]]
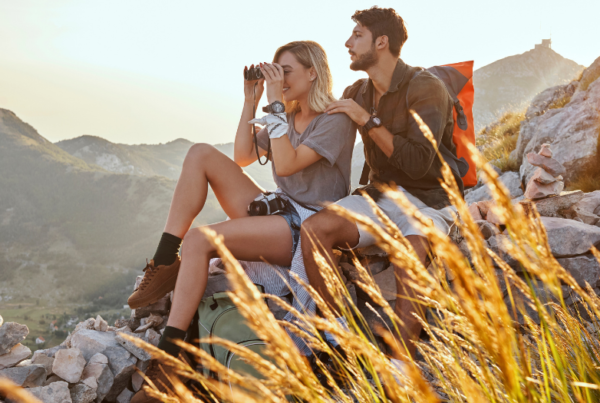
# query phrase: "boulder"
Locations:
[[554, 206], [120, 361], [84, 391], [587, 208], [11, 334], [543, 178], [153, 337], [97, 368], [43, 359], [584, 268], [69, 364], [510, 180], [139, 352], [487, 229], [572, 132], [386, 280], [151, 321], [125, 396], [56, 392], [100, 324], [569, 237], [27, 377], [53, 378], [536, 190], [475, 212], [17, 354]]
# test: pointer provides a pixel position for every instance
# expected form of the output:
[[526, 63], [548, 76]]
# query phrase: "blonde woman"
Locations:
[[311, 157]]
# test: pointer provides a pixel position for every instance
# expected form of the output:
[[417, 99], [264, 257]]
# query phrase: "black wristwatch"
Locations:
[[374, 121], [275, 107]]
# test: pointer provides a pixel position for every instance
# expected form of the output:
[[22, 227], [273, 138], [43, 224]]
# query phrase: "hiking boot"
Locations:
[[157, 282]]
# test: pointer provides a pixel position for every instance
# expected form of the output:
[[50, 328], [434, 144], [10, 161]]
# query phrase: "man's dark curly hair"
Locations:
[[383, 21]]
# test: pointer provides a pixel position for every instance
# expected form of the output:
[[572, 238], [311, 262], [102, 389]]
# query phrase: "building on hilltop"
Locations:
[[546, 43]]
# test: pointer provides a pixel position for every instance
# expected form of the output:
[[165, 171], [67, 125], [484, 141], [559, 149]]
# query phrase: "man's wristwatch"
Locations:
[[275, 107], [374, 121]]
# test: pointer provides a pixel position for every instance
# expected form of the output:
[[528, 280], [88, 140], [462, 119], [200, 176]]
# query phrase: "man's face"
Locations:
[[362, 49]]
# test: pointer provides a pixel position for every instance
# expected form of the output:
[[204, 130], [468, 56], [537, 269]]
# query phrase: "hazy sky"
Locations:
[[153, 71]]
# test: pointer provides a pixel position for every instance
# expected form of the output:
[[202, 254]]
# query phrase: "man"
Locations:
[[395, 151]]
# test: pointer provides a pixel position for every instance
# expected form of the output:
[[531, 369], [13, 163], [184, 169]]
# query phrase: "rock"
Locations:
[[550, 165], [536, 190], [160, 307], [554, 206], [125, 396], [497, 244], [464, 249], [120, 361], [51, 352], [492, 218], [56, 392], [372, 250], [475, 213], [584, 268], [17, 354], [588, 208], [569, 237], [349, 271], [545, 150], [11, 334], [151, 321], [572, 132], [100, 324], [139, 352], [85, 391], [375, 264], [510, 180], [52, 379], [69, 364], [352, 291], [386, 280], [43, 359], [487, 229], [97, 368], [542, 177], [1, 320], [484, 207], [152, 336], [27, 377], [137, 381]]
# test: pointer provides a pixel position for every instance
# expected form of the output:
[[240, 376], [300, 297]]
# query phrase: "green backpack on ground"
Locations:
[[218, 316]]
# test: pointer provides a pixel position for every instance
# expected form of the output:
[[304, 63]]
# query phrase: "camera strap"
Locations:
[[254, 132]]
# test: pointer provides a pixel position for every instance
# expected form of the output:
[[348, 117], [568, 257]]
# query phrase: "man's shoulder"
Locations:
[[425, 82], [352, 90]]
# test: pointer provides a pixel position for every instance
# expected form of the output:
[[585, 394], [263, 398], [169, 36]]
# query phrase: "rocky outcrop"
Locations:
[[571, 131]]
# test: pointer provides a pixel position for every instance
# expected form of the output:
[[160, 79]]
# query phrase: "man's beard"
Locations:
[[365, 61]]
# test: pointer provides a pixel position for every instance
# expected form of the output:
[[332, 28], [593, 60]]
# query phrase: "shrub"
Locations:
[[498, 140]]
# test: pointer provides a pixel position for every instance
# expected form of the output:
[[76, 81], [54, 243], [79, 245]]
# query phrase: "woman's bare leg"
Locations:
[[204, 165], [250, 238]]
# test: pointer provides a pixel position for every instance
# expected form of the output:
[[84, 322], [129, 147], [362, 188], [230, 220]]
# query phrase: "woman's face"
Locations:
[[297, 79]]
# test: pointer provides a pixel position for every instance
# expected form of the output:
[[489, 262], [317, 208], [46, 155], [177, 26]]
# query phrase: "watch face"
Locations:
[[377, 121], [278, 107]]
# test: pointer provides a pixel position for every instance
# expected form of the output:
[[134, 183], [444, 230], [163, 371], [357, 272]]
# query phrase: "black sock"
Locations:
[[167, 251], [165, 344]]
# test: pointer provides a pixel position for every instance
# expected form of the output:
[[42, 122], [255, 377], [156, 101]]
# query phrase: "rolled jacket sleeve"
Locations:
[[414, 154]]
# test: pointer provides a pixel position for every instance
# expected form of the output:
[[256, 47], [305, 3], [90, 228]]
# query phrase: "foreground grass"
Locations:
[[481, 349]]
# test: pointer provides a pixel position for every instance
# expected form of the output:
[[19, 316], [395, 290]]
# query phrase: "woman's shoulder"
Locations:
[[334, 118]]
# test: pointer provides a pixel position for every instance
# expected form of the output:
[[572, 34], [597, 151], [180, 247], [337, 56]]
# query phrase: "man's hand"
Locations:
[[249, 88], [350, 108], [274, 76]]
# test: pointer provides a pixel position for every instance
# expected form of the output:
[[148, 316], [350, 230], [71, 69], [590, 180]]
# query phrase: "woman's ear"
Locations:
[[312, 74]]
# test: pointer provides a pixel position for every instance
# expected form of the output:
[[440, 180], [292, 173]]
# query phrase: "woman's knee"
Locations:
[[321, 227], [194, 241], [200, 152]]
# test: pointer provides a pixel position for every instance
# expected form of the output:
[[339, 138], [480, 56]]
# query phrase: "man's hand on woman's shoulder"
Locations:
[[350, 108]]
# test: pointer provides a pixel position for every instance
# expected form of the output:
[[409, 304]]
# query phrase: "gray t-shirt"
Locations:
[[327, 180]]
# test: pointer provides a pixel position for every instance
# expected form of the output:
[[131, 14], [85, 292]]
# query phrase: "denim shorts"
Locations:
[[293, 219]]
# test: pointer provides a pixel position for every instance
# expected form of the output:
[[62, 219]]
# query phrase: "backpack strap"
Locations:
[[460, 166]]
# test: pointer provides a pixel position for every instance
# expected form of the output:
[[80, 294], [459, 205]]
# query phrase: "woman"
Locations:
[[311, 155]]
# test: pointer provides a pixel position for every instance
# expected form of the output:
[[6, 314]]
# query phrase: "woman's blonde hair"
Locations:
[[311, 54]]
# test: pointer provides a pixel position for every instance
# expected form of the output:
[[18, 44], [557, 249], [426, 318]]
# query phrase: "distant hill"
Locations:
[[512, 82], [69, 228], [149, 159]]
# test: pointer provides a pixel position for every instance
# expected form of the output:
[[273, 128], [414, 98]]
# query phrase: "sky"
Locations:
[[153, 71]]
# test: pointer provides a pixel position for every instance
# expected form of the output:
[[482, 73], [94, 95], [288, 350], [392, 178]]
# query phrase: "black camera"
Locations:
[[253, 73], [266, 204]]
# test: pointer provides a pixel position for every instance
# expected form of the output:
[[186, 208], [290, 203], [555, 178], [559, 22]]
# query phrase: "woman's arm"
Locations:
[[287, 159], [244, 153]]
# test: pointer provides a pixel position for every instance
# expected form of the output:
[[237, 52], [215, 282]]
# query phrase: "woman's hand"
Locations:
[[249, 88], [274, 76]]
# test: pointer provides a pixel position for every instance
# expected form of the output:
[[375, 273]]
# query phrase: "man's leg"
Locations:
[[323, 232]]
